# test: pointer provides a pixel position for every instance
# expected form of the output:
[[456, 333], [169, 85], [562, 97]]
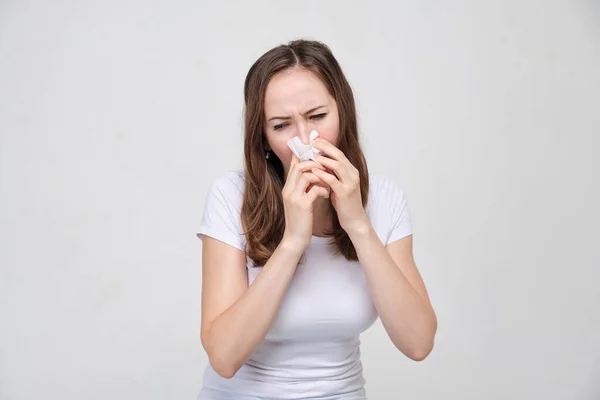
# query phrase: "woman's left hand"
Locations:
[[345, 185]]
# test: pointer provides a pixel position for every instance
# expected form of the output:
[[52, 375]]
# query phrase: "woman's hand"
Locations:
[[345, 186], [298, 202]]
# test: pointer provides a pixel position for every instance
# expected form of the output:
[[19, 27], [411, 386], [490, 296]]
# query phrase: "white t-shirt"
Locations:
[[312, 349]]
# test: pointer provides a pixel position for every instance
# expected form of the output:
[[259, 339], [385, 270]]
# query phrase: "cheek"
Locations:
[[330, 131], [331, 136], [283, 152]]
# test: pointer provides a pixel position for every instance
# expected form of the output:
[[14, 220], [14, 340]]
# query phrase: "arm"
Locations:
[[398, 291], [394, 282], [236, 317]]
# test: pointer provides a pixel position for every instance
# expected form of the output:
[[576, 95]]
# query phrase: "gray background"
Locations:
[[115, 116]]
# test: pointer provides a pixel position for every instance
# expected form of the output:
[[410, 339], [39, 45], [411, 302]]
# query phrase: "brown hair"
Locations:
[[262, 211]]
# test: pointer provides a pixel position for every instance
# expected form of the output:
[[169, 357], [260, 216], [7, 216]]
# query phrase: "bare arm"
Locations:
[[236, 317], [398, 291], [395, 284]]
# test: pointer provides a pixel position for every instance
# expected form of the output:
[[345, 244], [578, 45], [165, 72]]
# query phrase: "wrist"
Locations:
[[292, 246], [360, 229]]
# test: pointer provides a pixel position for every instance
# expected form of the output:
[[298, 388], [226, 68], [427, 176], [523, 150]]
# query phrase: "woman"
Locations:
[[300, 257]]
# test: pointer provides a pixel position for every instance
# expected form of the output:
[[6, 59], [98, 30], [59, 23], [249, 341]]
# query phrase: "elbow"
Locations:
[[418, 350], [225, 369], [222, 364], [419, 354], [421, 351]]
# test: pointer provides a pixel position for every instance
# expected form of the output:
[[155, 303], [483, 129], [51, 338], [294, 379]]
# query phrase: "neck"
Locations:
[[322, 216]]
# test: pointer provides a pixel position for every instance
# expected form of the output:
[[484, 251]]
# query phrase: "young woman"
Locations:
[[300, 257]]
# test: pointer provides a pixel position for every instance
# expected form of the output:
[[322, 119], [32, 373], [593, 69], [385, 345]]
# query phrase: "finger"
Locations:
[[317, 191], [293, 163], [342, 169], [326, 147], [308, 165], [299, 168], [305, 180], [335, 159], [329, 163], [329, 179], [293, 173]]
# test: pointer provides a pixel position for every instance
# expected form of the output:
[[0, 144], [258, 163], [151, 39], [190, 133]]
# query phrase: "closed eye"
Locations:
[[318, 116], [280, 126]]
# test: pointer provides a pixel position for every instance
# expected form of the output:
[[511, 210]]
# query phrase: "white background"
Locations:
[[115, 116]]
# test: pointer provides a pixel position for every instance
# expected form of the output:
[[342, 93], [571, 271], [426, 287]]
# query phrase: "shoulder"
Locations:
[[226, 193], [228, 187], [387, 208], [221, 219], [383, 188], [231, 182]]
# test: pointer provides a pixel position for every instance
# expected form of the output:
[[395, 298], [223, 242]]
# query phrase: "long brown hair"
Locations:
[[262, 211]]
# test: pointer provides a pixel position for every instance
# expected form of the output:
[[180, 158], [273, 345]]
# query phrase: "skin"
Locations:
[[236, 317], [296, 102]]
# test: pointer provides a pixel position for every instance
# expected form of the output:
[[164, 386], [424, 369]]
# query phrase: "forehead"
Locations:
[[295, 90]]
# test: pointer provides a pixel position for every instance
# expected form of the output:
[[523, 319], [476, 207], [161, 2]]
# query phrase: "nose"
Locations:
[[304, 132]]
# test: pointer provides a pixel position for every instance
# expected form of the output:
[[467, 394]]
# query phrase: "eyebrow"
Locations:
[[308, 112]]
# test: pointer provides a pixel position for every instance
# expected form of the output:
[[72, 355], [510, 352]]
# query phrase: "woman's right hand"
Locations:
[[298, 202]]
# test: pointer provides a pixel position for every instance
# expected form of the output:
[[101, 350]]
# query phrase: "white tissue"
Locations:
[[304, 151]]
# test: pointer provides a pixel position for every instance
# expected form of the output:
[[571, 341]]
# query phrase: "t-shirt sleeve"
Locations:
[[400, 220], [221, 218]]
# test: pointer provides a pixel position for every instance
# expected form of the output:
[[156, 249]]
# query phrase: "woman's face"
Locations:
[[296, 102]]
